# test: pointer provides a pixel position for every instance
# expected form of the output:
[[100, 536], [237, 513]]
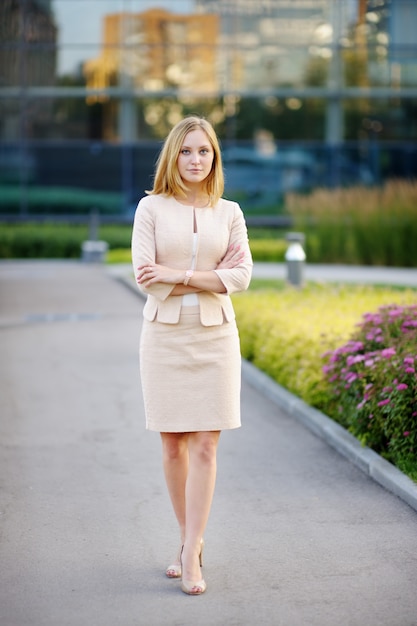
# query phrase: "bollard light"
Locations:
[[295, 258], [93, 250]]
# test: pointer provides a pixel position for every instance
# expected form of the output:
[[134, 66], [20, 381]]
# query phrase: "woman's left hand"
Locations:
[[233, 257], [152, 273]]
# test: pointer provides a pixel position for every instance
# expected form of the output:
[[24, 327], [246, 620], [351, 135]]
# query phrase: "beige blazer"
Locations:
[[163, 234]]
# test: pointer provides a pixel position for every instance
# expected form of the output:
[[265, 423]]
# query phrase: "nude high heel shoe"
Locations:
[[190, 587], [174, 570]]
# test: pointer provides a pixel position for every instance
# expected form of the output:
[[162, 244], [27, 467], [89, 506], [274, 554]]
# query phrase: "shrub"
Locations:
[[41, 241], [285, 332], [373, 384]]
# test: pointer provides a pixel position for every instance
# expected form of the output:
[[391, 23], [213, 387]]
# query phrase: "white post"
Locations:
[[295, 258]]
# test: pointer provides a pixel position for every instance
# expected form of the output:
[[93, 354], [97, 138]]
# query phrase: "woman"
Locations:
[[190, 251]]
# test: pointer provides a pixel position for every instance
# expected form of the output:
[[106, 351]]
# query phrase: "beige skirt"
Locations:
[[191, 374]]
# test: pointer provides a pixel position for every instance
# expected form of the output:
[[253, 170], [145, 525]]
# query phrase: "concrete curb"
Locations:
[[371, 463]]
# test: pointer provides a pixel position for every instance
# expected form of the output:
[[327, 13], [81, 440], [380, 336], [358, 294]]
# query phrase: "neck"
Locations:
[[195, 197]]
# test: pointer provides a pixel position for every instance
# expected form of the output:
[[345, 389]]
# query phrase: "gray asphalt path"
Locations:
[[298, 536]]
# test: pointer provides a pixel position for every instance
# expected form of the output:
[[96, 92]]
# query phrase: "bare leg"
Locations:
[[202, 448], [175, 462]]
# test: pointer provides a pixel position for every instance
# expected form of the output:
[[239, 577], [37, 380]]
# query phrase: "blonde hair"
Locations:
[[167, 180]]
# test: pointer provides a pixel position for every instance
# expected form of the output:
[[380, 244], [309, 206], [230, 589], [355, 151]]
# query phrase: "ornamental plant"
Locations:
[[359, 225], [373, 384]]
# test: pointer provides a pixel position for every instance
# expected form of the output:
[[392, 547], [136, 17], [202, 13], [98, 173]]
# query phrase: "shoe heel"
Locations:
[[200, 556]]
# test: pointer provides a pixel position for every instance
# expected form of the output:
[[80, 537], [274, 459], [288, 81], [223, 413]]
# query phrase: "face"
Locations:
[[195, 158]]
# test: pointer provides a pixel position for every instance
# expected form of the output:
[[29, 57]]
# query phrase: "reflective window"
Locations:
[[122, 72], [202, 45]]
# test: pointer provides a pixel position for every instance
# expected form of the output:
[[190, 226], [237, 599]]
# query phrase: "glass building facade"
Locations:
[[301, 92]]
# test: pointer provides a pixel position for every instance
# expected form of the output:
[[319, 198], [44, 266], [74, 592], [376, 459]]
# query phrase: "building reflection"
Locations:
[[155, 50], [28, 58], [150, 52], [331, 83]]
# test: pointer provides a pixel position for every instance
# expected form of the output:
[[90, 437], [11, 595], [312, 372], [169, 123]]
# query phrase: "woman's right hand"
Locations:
[[233, 257]]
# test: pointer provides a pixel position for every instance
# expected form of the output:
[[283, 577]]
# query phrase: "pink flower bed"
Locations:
[[373, 384]]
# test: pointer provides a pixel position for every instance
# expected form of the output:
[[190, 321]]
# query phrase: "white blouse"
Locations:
[[191, 299]]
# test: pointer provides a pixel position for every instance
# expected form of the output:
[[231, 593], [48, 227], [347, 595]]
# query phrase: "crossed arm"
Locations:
[[152, 273]]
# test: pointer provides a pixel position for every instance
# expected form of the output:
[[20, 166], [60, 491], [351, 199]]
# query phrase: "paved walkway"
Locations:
[[298, 535]]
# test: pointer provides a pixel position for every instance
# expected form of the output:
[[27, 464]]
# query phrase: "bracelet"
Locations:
[[188, 275]]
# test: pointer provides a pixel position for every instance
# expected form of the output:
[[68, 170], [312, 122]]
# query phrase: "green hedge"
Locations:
[[365, 226], [37, 241], [46, 241]]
